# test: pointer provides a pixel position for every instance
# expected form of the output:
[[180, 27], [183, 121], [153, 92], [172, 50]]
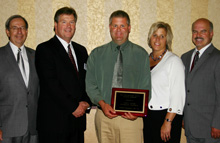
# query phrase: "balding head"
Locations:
[[202, 32]]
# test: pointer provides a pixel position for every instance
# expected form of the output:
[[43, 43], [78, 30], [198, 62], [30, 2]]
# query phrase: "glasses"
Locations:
[[15, 28]]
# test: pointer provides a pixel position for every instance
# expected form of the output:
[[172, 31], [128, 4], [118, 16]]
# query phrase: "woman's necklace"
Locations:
[[158, 58]]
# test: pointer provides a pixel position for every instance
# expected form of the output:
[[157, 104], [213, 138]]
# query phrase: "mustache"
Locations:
[[199, 38]]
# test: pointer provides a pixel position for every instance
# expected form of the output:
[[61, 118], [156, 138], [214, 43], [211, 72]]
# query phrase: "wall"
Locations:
[[92, 25]]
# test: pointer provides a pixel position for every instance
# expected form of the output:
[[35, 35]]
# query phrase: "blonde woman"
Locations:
[[165, 108]]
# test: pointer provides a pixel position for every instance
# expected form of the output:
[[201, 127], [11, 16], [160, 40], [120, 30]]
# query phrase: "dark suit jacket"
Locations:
[[61, 89], [202, 108], [18, 104]]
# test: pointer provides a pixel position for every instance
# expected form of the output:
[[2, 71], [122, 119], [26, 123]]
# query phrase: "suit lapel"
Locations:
[[189, 56], [11, 59], [64, 55], [78, 55], [31, 65], [203, 58], [187, 62]]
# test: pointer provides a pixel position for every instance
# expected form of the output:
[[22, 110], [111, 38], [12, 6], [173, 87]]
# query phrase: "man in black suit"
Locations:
[[60, 64]]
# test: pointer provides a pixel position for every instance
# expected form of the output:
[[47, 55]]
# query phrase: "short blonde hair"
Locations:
[[155, 26]]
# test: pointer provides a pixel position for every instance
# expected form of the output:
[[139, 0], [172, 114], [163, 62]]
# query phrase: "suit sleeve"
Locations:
[[216, 114], [85, 97], [50, 82]]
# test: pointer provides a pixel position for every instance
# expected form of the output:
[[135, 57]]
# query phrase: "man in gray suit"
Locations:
[[202, 70], [19, 86]]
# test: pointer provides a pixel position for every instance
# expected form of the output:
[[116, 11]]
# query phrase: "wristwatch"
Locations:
[[168, 120]]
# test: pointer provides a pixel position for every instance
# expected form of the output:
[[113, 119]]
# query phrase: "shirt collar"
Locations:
[[123, 46], [15, 48], [63, 42], [201, 51]]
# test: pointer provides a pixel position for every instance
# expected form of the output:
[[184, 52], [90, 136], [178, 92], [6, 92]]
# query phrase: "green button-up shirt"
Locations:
[[100, 68]]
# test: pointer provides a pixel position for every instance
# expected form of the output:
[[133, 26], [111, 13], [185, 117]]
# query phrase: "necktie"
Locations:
[[72, 59], [20, 62], [196, 58], [118, 71]]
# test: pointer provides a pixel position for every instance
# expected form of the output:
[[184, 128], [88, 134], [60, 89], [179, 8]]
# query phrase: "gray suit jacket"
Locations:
[[18, 104], [202, 108]]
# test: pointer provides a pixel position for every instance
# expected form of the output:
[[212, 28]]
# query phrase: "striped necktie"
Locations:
[[195, 60], [20, 62], [72, 59]]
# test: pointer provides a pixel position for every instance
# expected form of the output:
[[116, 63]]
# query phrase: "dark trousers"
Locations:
[[26, 138], [192, 139], [61, 137], [153, 123]]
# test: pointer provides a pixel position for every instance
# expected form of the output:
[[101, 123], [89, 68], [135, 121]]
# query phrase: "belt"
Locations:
[[99, 107]]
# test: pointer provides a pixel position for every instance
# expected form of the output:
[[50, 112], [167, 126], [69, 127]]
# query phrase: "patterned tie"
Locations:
[[72, 59], [118, 71], [20, 62], [195, 60]]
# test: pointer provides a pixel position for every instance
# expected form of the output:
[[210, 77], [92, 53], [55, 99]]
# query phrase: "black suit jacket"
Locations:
[[60, 88]]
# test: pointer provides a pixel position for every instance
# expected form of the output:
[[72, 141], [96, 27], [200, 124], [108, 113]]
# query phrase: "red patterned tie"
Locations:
[[72, 59], [196, 58]]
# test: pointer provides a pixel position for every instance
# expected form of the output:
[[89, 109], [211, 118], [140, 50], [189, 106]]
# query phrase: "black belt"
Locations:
[[99, 107]]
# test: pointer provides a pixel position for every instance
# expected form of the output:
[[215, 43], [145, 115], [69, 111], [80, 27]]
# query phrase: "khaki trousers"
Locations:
[[118, 129]]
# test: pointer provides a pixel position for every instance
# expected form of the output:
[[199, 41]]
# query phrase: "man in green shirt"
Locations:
[[111, 128]]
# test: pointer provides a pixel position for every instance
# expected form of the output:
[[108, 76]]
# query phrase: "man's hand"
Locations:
[[129, 116], [215, 133], [81, 109], [107, 110], [1, 135]]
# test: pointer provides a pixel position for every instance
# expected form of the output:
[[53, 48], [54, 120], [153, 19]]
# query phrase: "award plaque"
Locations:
[[130, 100]]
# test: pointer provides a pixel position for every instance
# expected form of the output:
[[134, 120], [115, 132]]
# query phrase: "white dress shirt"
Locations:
[[168, 85], [65, 45], [25, 59], [201, 51]]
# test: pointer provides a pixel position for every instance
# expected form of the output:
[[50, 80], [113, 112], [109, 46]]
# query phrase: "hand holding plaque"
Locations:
[[107, 109], [130, 100], [129, 116]]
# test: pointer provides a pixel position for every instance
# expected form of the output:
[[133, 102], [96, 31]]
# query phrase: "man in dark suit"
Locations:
[[61, 67], [19, 86], [202, 70]]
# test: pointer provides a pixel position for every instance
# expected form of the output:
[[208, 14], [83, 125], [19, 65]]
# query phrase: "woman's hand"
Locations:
[[165, 131]]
